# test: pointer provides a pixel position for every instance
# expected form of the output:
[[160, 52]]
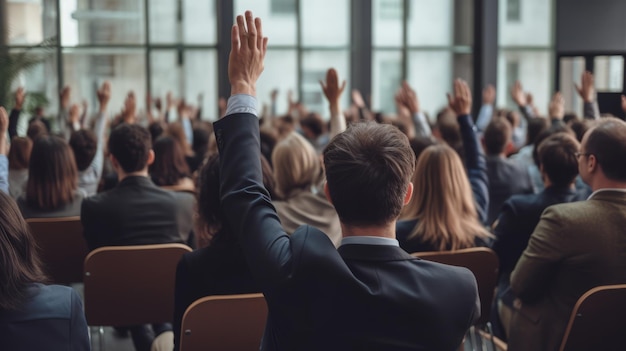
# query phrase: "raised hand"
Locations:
[[518, 95], [66, 94], [130, 108], [556, 108], [74, 116], [489, 95], [357, 98], [20, 96], [4, 121], [104, 95], [247, 53], [624, 103], [331, 88], [586, 90], [407, 97], [461, 101]]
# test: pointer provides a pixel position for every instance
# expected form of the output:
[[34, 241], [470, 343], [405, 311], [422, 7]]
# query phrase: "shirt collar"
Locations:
[[369, 240], [622, 190]]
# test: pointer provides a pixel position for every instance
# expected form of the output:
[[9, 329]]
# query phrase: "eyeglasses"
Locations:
[[578, 154]]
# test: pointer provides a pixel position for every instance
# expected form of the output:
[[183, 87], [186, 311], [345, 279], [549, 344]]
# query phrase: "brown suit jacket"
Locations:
[[575, 247]]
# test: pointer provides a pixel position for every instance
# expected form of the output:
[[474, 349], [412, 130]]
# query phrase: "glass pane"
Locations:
[[525, 23], [430, 74], [165, 73], [386, 78], [571, 69], [314, 67], [85, 70], [199, 22], [464, 22], [102, 22], [463, 68], [163, 23], [430, 22], [609, 73], [533, 69], [335, 29], [201, 91], [281, 72], [387, 22], [279, 18], [30, 22], [39, 80]]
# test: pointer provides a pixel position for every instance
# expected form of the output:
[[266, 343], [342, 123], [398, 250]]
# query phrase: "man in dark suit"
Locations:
[[369, 293], [135, 212], [506, 176], [575, 246], [520, 214]]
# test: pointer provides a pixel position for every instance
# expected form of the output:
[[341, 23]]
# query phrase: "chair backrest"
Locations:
[[482, 261], [128, 285], [227, 322], [62, 247], [597, 321]]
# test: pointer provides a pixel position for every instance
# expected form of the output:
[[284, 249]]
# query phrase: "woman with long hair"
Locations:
[[52, 187], [33, 316], [449, 202]]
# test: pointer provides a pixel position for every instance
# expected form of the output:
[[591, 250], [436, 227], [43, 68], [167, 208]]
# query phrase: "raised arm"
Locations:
[[486, 109], [14, 117], [4, 163], [104, 96], [587, 92], [461, 104], [408, 98], [332, 90]]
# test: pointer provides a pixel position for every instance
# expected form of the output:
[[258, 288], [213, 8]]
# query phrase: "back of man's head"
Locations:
[[607, 142], [368, 169], [557, 155], [497, 136], [130, 145], [84, 144]]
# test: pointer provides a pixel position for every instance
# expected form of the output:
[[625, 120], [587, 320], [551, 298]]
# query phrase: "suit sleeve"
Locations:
[[14, 119], [539, 262], [504, 231], [245, 201], [476, 166]]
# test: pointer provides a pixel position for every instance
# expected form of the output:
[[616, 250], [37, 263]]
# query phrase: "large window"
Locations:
[[526, 50], [427, 42]]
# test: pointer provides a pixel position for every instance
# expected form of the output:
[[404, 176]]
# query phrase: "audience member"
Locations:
[[443, 214], [135, 212], [36, 130], [52, 186], [317, 295], [501, 170], [4, 162], [575, 246], [520, 213], [19, 158], [33, 316]]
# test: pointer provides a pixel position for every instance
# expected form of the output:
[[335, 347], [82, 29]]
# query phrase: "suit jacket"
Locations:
[[506, 178], [135, 212], [320, 298], [575, 247], [219, 269], [52, 319]]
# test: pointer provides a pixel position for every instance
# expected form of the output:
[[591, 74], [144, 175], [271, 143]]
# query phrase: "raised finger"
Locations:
[[252, 40], [259, 33], [343, 86], [234, 36], [243, 34]]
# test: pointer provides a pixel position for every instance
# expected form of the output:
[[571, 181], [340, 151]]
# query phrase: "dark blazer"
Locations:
[[506, 178], [135, 212], [52, 319], [320, 298], [477, 174], [517, 221], [219, 269]]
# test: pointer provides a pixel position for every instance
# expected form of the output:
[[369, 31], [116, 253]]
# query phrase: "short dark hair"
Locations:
[[419, 144], [130, 144], [557, 155], [368, 170], [536, 125], [169, 165], [607, 142], [553, 129], [36, 129], [84, 143], [497, 135], [580, 127], [314, 123], [19, 153], [156, 130], [52, 174], [18, 256]]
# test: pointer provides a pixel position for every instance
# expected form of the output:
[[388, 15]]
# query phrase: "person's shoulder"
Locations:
[[447, 274], [48, 302]]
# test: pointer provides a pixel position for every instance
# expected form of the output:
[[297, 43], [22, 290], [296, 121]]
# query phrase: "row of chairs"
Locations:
[[135, 285]]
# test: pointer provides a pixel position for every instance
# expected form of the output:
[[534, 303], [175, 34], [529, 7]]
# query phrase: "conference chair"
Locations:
[[483, 262], [225, 323], [62, 247], [130, 285], [597, 320]]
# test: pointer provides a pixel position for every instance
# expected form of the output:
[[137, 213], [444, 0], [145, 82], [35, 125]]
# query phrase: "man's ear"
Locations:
[[408, 195], [592, 164], [150, 157], [116, 165], [509, 148], [327, 193]]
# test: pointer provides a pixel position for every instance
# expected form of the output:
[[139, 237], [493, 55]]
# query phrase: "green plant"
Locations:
[[13, 63]]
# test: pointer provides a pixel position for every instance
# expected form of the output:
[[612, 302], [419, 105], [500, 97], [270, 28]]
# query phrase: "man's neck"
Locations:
[[122, 175], [384, 231], [608, 184]]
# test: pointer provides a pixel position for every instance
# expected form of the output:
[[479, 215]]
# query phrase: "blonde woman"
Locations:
[[448, 202], [298, 175]]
